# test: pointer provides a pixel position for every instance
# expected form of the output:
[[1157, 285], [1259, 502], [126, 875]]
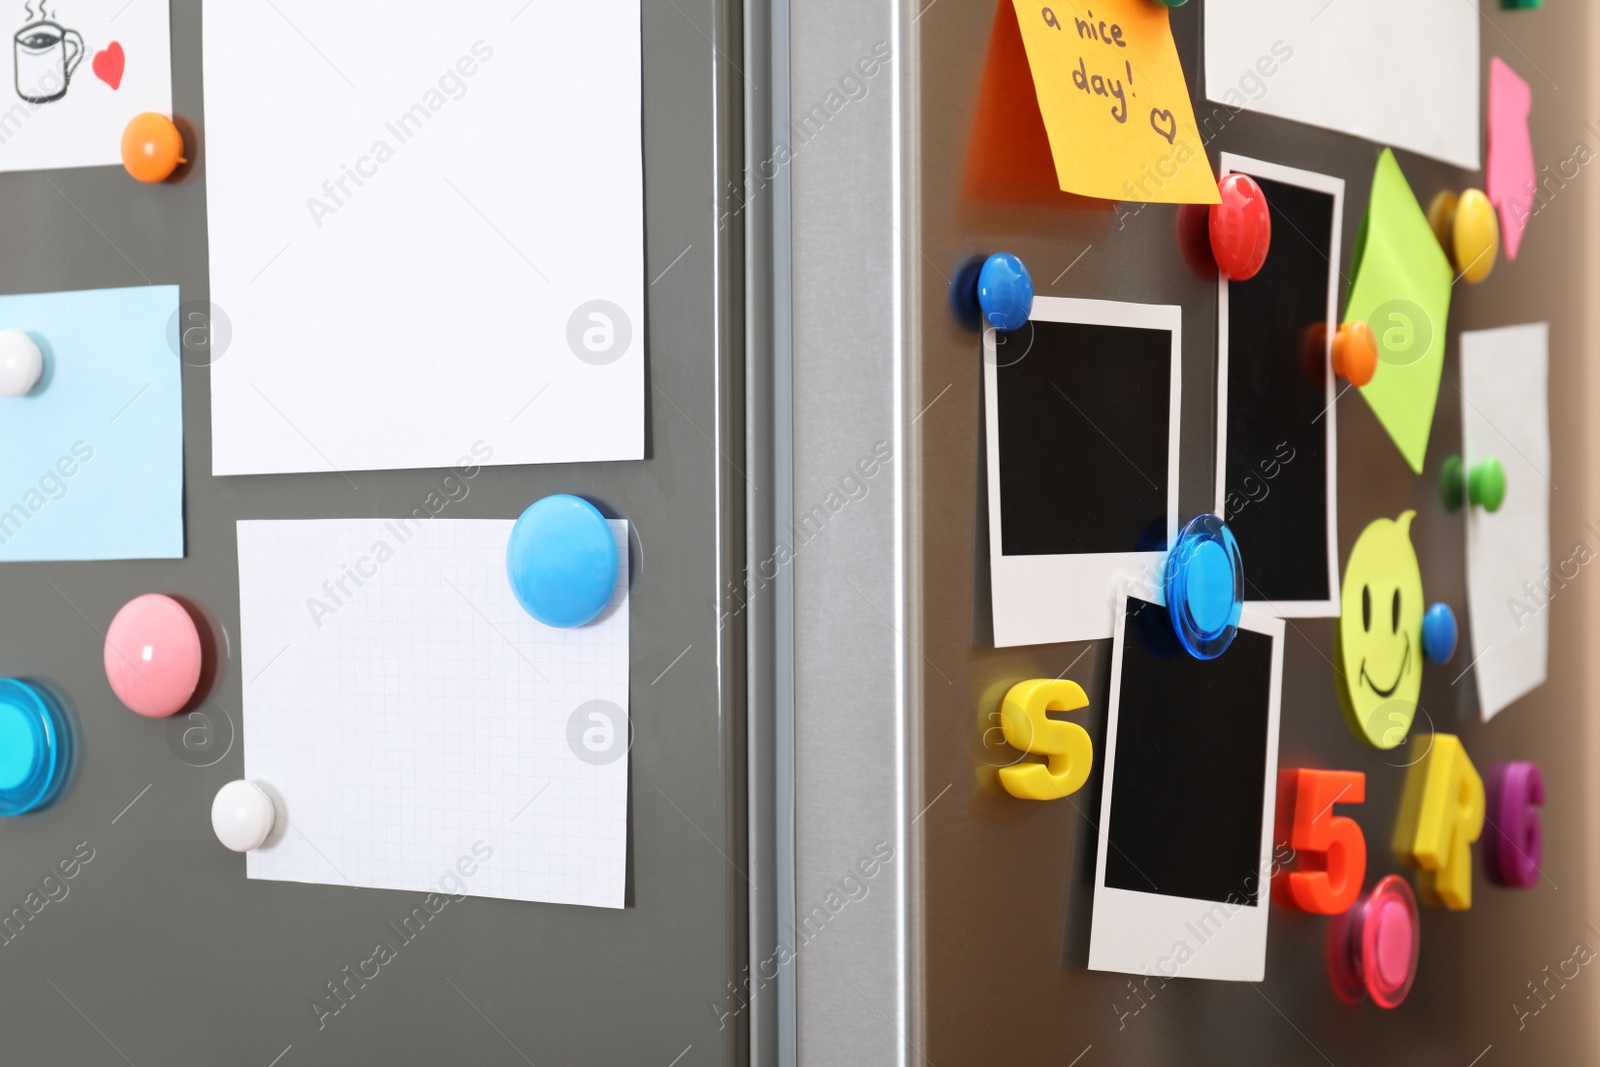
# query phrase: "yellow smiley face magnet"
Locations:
[[1378, 648]]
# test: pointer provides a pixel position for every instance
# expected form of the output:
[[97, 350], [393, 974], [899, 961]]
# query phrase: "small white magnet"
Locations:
[[242, 815], [21, 363]]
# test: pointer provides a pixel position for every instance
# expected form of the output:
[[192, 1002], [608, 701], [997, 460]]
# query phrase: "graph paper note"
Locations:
[[417, 729]]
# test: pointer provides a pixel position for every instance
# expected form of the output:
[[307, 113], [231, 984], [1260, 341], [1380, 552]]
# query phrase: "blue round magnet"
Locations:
[[1205, 587], [1005, 292], [1439, 634], [562, 561], [35, 747]]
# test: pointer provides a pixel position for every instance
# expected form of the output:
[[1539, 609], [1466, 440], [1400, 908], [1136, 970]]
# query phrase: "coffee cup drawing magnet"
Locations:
[[1378, 643]]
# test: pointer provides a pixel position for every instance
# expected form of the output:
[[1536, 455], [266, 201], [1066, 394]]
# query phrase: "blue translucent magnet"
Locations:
[[562, 561], [35, 747], [1439, 634], [1005, 292], [1205, 587]]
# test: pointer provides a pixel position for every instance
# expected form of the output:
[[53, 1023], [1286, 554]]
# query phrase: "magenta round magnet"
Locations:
[[1515, 793], [1374, 947], [153, 656]]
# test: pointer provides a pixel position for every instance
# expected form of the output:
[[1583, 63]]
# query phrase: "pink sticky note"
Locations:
[[1510, 180]]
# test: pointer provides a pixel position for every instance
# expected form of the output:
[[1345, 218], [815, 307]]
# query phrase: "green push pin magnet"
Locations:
[[1484, 485]]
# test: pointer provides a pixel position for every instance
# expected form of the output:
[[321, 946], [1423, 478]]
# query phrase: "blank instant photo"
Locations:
[[1182, 882], [1276, 432], [1081, 411]]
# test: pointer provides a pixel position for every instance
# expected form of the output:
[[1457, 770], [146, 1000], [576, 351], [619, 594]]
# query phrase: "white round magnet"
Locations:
[[21, 363], [242, 815]]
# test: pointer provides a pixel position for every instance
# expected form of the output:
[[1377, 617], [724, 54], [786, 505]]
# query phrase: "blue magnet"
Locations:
[[1205, 587], [964, 293], [562, 561], [1439, 634], [35, 747], [1005, 292]]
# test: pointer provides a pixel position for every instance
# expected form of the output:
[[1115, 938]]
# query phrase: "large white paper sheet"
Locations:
[[79, 71], [417, 729], [427, 230], [1402, 74], [1505, 414]]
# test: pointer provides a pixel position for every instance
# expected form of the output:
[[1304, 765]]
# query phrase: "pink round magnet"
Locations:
[[1374, 947], [153, 655]]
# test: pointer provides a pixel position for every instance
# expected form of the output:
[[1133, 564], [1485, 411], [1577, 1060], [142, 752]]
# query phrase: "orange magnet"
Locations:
[[152, 147], [1331, 849], [1355, 353]]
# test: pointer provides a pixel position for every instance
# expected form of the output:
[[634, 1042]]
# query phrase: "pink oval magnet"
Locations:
[[1515, 793], [153, 655]]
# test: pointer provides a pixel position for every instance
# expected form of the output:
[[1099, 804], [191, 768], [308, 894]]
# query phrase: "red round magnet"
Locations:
[[1241, 227], [1373, 948]]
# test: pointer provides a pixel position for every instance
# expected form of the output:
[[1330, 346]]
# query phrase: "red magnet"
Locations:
[[1241, 228], [1331, 849], [1515, 794], [1373, 948]]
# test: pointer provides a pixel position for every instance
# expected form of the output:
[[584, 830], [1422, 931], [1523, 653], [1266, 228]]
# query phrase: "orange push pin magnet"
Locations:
[[1355, 353], [152, 147]]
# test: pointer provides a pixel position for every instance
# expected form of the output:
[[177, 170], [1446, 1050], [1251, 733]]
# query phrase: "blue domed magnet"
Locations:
[[1439, 634], [562, 561], [1205, 587], [1005, 292], [35, 747]]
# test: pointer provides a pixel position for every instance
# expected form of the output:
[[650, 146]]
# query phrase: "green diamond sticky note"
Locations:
[[1401, 288]]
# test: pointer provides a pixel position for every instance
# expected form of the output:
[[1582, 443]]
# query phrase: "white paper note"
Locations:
[[427, 230], [1401, 74], [1505, 414], [414, 724], [79, 71]]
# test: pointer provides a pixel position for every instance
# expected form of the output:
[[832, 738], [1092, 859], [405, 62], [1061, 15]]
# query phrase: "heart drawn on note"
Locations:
[[1169, 131], [109, 63]]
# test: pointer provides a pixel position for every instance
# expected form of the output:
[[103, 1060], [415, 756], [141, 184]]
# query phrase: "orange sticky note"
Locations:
[[1115, 102]]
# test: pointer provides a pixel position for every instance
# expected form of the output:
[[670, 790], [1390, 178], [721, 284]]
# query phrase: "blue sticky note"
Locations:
[[91, 461]]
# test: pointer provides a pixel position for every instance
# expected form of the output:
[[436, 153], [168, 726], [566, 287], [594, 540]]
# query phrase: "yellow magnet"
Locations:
[[1378, 642], [1469, 230], [1441, 815], [1066, 746]]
